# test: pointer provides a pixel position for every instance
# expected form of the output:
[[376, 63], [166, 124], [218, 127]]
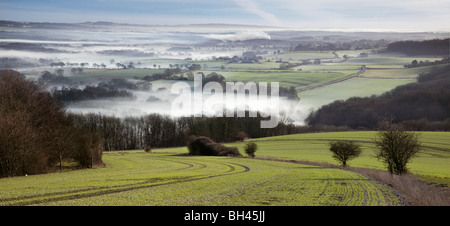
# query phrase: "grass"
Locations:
[[354, 87], [139, 178], [383, 74], [330, 67], [428, 181], [432, 165], [286, 78], [389, 73], [432, 162], [388, 60], [299, 55], [169, 177], [253, 66]]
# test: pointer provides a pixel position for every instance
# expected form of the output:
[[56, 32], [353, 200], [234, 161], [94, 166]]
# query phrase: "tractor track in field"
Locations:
[[361, 171], [229, 168], [105, 190]]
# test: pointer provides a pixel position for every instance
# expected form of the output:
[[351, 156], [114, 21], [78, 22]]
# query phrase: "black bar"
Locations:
[[230, 215]]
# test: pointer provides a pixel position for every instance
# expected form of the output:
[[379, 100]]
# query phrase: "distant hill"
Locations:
[[112, 25], [427, 101], [440, 47]]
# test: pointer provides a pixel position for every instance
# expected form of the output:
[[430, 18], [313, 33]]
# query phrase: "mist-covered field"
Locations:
[[104, 51]]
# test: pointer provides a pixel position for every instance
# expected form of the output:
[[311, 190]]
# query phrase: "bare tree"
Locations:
[[396, 146], [35, 131]]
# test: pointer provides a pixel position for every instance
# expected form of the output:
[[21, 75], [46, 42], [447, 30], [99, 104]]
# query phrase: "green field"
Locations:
[[387, 60], [355, 87], [433, 163], [329, 67], [382, 75], [286, 78], [250, 66], [139, 178], [169, 177]]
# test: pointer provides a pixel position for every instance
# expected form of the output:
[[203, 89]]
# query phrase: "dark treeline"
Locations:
[[438, 47], [56, 78], [67, 94], [424, 105], [328, 46], [416, 63], [290, 93], [157, 130], [170, 73], [36, 134], [117, 87]]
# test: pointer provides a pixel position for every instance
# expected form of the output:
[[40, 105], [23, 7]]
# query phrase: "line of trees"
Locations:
[[67, 94], [117, 87], [169, 73], [421, 63], [156, 130], [36, 134], [348, 45]]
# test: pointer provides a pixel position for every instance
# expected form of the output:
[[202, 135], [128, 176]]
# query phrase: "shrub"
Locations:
[[344, 151], [250, 149], [148, 149], [190, 139], [206, 146]]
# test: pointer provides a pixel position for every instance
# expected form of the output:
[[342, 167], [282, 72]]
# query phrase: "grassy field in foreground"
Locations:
[[432, 164], [139, 178], [168, 177]]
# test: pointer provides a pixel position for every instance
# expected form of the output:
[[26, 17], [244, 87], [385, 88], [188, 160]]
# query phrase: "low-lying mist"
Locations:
[[160, 102]]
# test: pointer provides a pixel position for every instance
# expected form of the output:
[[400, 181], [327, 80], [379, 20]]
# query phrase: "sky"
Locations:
[[317, 14]]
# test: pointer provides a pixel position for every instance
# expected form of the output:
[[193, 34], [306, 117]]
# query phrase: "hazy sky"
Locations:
[[368, 14]]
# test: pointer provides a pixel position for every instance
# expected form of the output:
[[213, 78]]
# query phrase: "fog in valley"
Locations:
[[31, 48]]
